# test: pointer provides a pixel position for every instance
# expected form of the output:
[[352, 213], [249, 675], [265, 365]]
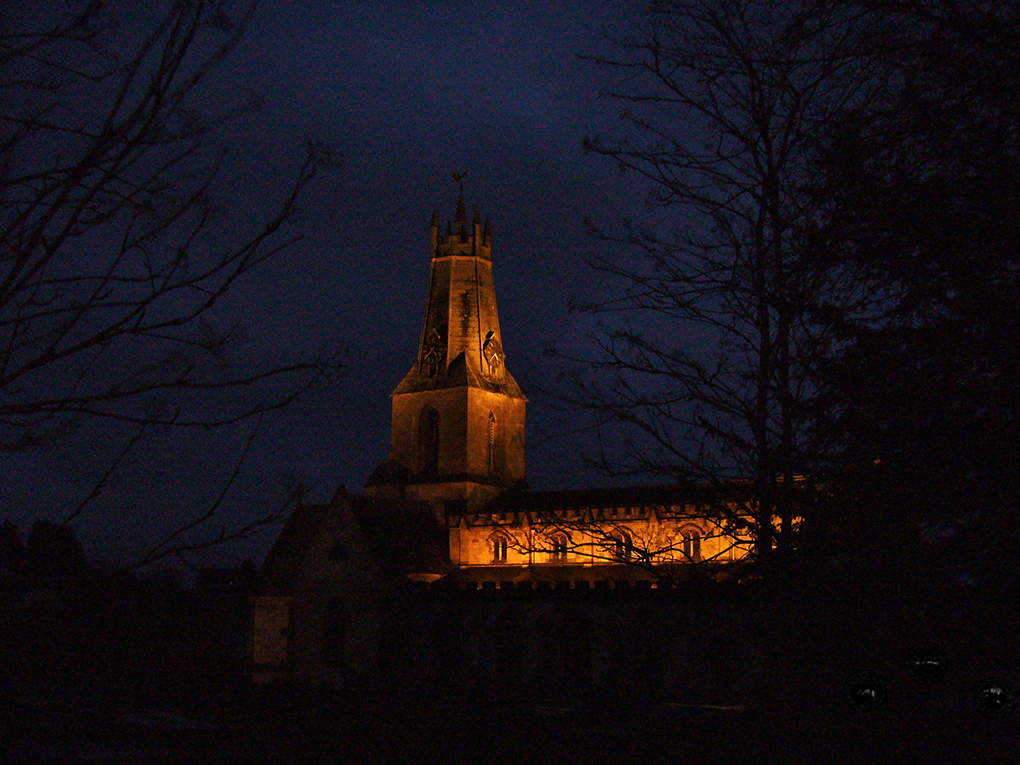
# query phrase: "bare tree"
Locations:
[[668, 534], [710, 350], [924, 182], [673, 548], [111, 253]]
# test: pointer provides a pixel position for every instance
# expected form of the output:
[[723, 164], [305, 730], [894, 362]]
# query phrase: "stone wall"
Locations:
[[509, 641]]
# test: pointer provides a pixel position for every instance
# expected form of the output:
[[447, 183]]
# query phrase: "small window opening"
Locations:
[[624, 545], [692, 545], [499, 548]]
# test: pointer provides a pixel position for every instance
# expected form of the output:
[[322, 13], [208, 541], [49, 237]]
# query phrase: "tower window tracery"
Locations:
[[432, 350], [492, 350]]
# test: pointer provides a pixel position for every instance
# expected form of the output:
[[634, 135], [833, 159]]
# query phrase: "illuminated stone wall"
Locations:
[[463, 432], [593, 537]]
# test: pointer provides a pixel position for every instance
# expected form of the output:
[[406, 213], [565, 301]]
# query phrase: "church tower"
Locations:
[[457, 436]]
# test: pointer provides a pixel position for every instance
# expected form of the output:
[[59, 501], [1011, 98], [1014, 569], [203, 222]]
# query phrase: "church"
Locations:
[[450, 556]]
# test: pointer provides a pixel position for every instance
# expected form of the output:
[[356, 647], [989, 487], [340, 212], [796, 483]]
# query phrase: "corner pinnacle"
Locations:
[[461, 213]]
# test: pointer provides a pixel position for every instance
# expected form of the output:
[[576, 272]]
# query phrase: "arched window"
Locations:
[[624, 545], [692, 543], [499, 544], [492, 443], [428, 441], [560, 544]]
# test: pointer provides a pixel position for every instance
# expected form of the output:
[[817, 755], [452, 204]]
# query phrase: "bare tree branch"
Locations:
[[727, 104], [111, 264]]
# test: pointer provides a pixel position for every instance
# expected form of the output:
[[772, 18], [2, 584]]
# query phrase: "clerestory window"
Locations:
[[624, 545], [692, 544], [499, 548], [559, 547]]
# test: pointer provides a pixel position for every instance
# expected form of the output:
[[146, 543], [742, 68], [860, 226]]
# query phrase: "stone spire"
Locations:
[[458, 414], [461, 335]]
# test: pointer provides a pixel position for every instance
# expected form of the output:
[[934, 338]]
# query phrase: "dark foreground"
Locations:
[[107, 722]]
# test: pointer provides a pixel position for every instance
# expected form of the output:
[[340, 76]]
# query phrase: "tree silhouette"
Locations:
[[924, 187], [727, 103], [112, 254]]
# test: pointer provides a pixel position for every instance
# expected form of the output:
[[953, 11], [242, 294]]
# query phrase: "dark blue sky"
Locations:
[[408, 92]]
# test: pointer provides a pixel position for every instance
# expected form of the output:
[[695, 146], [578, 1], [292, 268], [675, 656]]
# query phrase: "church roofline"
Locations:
[[644, 495]]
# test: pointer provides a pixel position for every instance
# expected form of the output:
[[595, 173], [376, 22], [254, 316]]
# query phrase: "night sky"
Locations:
[[408, 92]]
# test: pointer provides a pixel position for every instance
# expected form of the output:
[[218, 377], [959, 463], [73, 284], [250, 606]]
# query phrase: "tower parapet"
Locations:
[[459, 239]]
